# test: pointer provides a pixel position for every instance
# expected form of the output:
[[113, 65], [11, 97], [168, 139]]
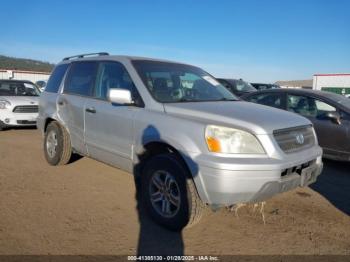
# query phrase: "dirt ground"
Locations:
[[88, 208]]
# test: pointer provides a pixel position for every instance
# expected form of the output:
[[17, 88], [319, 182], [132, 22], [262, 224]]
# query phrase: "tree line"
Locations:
[[14, 63]]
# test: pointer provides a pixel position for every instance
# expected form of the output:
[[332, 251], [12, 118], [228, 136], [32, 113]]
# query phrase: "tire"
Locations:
[[2, 126], [59, 137], [169, 169]]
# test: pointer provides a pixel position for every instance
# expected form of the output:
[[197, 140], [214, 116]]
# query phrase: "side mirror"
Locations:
[[119, 96], [334, 117]]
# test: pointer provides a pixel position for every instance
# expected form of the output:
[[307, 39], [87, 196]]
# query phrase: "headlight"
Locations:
[[231, 141], [4, 104]]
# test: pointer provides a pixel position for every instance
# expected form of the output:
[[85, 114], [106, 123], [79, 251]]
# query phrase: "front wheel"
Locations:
[[169, 193], [57, 145], [2, 126]]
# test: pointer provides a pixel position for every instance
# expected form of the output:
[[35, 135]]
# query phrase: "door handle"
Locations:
[[91, 110], [60, 102]]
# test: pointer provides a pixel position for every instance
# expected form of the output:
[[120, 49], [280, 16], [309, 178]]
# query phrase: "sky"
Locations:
[[257, 40]]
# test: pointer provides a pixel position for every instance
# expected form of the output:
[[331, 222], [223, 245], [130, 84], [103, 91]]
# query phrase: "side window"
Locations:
[[309, 107], [301, 105], [112, 75], [267, 99], [323, 108], [81, 78], [56, 78]]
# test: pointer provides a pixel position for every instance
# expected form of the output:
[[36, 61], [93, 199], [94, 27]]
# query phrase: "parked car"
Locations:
[[237, 87], [18, 103], [41, 84], [329, 113], [184, 136], [260, 86]]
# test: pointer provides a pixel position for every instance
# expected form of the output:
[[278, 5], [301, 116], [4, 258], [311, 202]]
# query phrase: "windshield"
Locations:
[[241, 85], [9, 88], [171, 83]]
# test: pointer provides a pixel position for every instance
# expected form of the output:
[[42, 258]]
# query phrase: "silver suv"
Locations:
[[188, 140]]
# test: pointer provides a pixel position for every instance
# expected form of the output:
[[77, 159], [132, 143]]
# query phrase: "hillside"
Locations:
[[7, 62]]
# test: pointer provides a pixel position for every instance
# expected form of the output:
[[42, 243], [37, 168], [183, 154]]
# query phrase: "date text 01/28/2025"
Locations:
[[173, 258]]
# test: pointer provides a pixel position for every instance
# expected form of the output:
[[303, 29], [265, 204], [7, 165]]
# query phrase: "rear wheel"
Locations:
[[169, 193], [57, 145]]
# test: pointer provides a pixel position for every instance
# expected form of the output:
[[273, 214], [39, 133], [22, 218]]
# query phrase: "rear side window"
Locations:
[[308, 106], [81, 78], [56, 78]]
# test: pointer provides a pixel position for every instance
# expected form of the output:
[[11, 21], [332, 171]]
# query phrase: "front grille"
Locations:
[[296, 139], [26, 122], [26, 109]]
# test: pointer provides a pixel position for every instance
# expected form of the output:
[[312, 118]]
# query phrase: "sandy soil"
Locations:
[[90, 208]]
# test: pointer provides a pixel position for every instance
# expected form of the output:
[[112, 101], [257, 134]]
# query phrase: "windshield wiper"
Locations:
[[227, 99]]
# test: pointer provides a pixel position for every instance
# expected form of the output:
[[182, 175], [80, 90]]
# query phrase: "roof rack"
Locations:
[[85, 55]]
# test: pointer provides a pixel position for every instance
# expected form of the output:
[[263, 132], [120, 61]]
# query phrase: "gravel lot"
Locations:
[[90, 208]]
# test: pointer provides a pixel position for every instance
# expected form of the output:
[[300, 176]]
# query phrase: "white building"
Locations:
[[338, 83], [306, 84], [23, 75]]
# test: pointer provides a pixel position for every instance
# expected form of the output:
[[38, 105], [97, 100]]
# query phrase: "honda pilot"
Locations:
[[189, 141]]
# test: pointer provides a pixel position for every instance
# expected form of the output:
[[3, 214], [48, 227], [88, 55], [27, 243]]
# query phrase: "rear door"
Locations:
[[71, 103], [109, 127]]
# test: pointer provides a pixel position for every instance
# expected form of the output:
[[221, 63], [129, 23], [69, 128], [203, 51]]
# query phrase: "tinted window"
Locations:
[[273, 100], [241, 85], [81, 78], [322, 107], [308, 106], [56, 78], [112, 75]]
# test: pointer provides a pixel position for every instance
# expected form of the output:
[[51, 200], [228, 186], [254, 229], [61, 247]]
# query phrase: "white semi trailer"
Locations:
[[337, 83]]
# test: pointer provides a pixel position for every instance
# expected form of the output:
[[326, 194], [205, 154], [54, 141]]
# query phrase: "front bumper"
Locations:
[[226, 181], [18, 119]]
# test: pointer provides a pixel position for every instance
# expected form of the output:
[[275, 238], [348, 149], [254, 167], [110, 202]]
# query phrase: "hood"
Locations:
[[21, 100], [255, 118]]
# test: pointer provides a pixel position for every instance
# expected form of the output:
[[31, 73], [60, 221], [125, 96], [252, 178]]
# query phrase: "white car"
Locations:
[[18, 103]]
